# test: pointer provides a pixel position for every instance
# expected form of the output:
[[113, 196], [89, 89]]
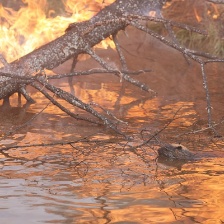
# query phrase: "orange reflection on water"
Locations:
[[183, 113], [197, 191]]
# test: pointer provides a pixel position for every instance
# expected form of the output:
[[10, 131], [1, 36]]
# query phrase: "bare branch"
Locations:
[[120, 74], [76, 102]]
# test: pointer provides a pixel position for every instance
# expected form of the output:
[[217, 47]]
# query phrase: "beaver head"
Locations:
[[175, 151]]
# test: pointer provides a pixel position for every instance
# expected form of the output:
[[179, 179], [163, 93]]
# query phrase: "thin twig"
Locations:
[[108, 113], [208, 101], [131, 18], [120, 53], [97, 71], [154, 136], [15, 129], [121, 75], [84, 139]]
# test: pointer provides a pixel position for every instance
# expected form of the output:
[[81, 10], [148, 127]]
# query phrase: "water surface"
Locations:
[[100, 180]]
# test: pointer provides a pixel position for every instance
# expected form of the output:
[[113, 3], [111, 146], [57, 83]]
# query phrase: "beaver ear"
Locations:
[[179, 147]]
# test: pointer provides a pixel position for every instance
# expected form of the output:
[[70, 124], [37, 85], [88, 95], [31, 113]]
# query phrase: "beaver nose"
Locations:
[[179, 147]]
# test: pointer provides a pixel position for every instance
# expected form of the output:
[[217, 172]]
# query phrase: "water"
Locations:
[[99, 180]]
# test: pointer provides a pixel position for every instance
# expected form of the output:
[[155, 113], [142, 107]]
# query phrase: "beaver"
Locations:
[[175, 152]]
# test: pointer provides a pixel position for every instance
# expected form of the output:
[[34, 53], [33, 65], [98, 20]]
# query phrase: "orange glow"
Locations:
[[216, 12], [213, 11], [31, 26], [197, 15]]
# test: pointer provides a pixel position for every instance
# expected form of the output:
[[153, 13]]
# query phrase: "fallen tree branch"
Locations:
[[81, 38]]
